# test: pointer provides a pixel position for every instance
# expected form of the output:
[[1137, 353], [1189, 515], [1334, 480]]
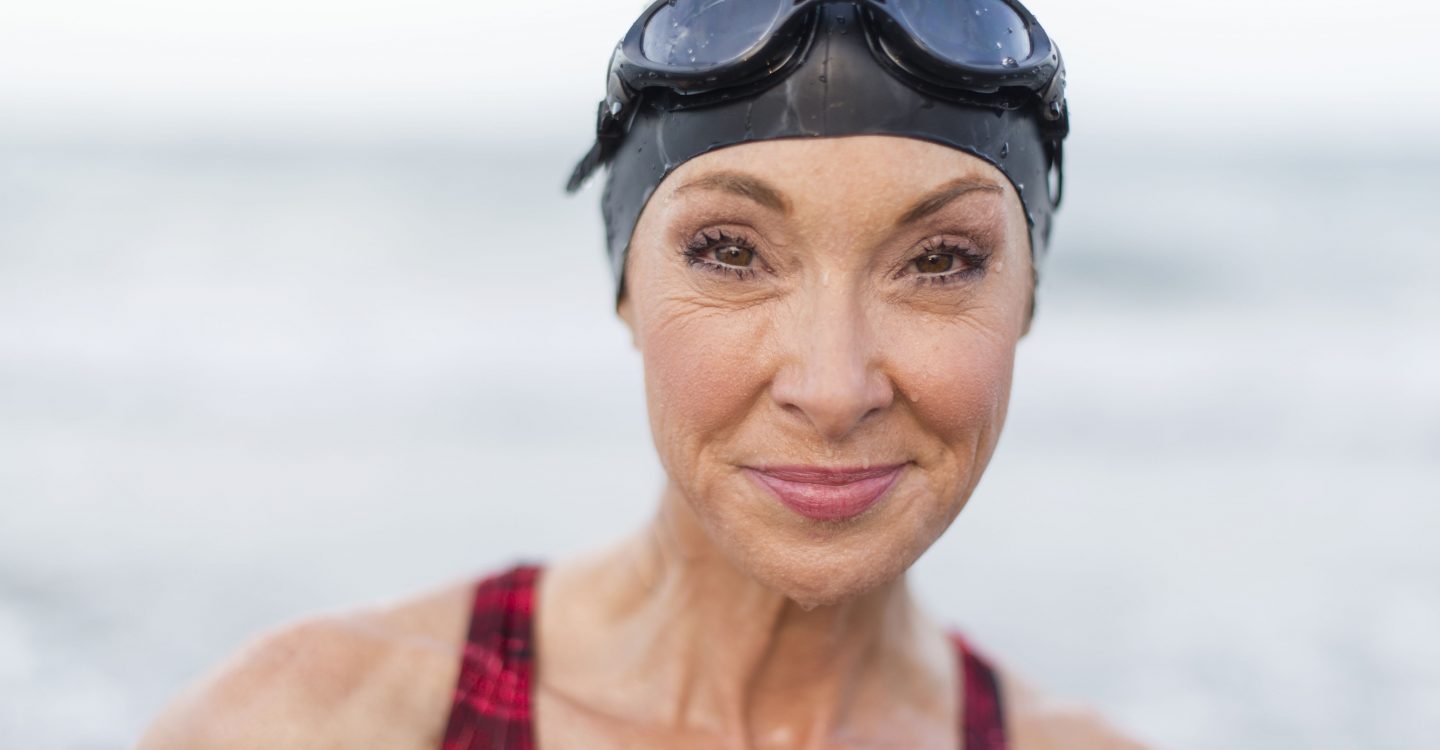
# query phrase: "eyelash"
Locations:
[[705, 241], [973, 263]]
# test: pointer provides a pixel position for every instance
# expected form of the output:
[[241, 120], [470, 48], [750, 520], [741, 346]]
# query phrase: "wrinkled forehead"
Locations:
[[879, 174]]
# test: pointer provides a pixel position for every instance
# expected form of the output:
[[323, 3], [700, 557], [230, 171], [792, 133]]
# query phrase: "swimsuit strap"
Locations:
[[491, 710], [982, 724]]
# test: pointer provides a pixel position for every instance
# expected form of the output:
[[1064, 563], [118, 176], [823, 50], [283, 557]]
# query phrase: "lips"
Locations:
[[827, 494]]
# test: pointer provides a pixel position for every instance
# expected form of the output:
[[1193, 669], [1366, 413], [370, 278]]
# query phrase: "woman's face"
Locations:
[[828, 328]]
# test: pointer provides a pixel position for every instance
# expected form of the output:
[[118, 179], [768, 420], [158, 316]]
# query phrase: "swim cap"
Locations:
[[837, 89]]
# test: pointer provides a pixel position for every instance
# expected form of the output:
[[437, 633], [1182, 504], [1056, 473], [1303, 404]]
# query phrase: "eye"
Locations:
[[733, 255], [935, 263], [717, 251], [942, 261]]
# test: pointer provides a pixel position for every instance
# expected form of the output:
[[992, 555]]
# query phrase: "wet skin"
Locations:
[[805, 309], [839, 303]]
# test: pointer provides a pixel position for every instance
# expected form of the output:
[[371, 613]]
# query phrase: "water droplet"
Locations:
[[615, 109], [1021, 186], [999, 46], [1009, 62], [1004, 150]]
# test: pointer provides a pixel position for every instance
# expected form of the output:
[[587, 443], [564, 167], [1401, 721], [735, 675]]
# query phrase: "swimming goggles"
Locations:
[[690, 53]]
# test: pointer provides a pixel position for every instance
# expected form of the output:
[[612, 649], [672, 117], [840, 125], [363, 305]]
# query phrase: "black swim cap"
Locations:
[[838, 89]]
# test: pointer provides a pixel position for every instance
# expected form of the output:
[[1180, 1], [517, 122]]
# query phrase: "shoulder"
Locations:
[[1038, 722], [385, 675]]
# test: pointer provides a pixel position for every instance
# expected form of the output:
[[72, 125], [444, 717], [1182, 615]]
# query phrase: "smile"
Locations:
[[827, 494]]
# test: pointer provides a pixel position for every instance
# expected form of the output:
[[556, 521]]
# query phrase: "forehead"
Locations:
[[875, 171]]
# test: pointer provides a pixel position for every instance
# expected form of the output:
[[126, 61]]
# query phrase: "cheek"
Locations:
[[702, 374], [958, 384]]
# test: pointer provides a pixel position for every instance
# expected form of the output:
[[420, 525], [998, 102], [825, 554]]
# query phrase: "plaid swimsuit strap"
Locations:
[[491, 710]]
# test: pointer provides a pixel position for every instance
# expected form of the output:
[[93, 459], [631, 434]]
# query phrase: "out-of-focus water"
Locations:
[[241, 382]]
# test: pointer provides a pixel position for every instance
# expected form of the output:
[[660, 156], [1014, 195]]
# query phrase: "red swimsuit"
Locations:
[[492, 701]]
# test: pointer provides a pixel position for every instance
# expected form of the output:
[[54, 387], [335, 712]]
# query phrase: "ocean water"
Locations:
[[242, 381]]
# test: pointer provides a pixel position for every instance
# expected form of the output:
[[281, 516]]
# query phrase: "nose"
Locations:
[[831, 375]]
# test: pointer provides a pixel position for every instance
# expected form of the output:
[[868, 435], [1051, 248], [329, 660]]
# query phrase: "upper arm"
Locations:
[[383, 676], [267, 696]]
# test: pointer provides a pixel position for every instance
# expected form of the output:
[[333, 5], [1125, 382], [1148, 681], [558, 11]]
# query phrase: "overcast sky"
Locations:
[[494, 67]]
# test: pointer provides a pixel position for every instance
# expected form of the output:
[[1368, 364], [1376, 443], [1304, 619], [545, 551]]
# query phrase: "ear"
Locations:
[[1034, 298], [626, 311]]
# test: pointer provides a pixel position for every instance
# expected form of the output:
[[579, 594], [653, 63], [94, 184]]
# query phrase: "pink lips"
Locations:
[[826, 494]]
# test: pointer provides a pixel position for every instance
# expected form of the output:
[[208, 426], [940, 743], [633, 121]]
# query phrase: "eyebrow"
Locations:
[[742, 185], [943, 196]]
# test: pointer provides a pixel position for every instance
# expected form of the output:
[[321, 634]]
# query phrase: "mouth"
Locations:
[[824, 493]]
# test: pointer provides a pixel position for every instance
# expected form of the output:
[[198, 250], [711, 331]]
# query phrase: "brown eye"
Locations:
[[731, 255], [935, 263]]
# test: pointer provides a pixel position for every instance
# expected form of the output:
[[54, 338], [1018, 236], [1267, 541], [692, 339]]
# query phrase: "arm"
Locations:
[[267, 696], [373, 679]]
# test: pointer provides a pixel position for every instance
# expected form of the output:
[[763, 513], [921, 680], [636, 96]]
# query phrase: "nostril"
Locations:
[[834, 406]]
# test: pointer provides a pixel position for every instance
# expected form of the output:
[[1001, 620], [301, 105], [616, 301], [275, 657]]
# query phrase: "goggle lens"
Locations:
[[685, 33], [972, 32]]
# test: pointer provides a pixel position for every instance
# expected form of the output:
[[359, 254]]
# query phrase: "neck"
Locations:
[[712, 650]]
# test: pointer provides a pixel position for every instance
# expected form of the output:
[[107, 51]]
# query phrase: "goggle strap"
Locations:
[[610, 131], [587, 166], [1059, 174]]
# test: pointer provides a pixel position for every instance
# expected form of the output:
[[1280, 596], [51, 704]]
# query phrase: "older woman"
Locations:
[[824, 219]]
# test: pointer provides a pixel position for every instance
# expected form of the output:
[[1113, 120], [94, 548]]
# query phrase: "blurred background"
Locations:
[[293, 311]]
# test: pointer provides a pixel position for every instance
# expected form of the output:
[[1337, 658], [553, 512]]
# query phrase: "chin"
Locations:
[[827, 583], [825, 572]]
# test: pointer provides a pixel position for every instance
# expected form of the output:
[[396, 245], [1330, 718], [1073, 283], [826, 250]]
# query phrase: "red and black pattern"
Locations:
[[983, 724], [492, 701]]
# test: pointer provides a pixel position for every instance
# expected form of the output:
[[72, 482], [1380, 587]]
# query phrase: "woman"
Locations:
[[824, 244]]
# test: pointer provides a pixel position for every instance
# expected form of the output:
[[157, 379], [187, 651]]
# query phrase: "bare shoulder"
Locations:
[[383, 675], [1038, 722]]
